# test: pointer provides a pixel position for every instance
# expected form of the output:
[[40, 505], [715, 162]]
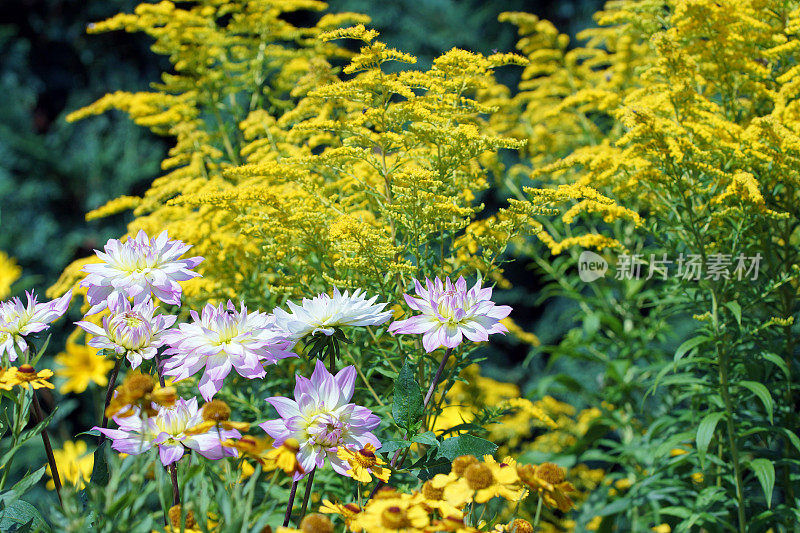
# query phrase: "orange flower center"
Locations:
[[479, 476], [550, 472], [365, 458], [394, 518], [432, 493], [316, 523], [460, 464]]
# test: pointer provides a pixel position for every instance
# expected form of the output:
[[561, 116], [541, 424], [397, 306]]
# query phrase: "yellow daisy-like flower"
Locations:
[[364, 462], [81, 365], [9, 273], [347, 511], [25, 376], [452, 524], [483, 481], [8, 378], [548, 480], [434, 500], [285, 457], [74, 465], [216, 413], [403, 512]]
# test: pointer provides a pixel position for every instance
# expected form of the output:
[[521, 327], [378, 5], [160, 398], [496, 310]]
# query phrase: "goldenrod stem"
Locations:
[[37, 413]]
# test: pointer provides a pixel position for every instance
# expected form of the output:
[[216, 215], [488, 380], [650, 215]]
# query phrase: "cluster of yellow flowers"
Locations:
[[447, 502], [10, 272]]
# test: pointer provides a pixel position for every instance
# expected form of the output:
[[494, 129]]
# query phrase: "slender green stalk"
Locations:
[[538, 516], [724, 389]]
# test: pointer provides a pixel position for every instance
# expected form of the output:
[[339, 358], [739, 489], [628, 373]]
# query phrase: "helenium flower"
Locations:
[[222, 339], [451, 312], [18, 320], [166, 431], [130, 331], [138, 268], [321, 419]]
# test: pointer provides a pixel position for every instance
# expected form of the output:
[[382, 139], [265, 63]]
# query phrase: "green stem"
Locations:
[[538, 516], [726, 399]]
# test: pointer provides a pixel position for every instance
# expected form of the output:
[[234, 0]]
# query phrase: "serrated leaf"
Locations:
[[466, 445], [407, 401], [705, 431], [19, 514], [389, 446], [428, 438], [765, 472], [763, 394]]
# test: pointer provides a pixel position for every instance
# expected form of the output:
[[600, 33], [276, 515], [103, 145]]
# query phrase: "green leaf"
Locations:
[[688, 346], [778, 361], [763, 394], [765, 472], [100, 470], [21, 487], [407, 402], [736, 310], [428, 438], [389, 446], [705, 431], [19, 514], [465, 445]]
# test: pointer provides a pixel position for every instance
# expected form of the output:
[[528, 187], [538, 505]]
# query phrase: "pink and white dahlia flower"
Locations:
[[166, 431], [321, 419], [451, 312], [130, 331], [138, 268], [323, 313], [18, 320], [224, 339]]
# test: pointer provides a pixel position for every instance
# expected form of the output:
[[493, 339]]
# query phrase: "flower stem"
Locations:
[[37, 413], [427, 400], [173, 468], [109, 391], [307, 495], [538, 516], [289, 505], [436, 377]]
